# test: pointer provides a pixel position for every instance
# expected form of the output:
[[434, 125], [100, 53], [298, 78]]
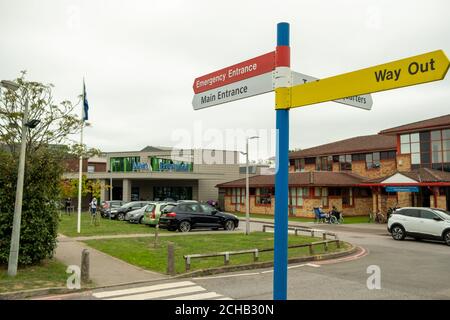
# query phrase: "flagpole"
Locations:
[[80, 167]]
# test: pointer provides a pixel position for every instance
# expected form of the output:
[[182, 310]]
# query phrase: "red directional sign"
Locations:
[[244, 70]]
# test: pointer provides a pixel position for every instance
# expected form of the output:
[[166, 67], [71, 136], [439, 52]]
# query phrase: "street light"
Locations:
[[247, 209], [15, 236]]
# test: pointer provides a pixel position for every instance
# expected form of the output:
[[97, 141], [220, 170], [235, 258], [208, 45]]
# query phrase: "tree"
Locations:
[[57, 120], [47, 146]]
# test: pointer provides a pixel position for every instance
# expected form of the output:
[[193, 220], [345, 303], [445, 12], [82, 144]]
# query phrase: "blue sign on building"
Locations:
[[140, 166], [402, 189]]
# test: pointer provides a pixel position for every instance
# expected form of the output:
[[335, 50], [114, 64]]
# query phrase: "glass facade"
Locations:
[[174, 193], [123, 164], [159, 164], [428, 149]]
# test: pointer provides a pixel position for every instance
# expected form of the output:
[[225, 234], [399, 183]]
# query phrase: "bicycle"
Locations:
[[380, 218]]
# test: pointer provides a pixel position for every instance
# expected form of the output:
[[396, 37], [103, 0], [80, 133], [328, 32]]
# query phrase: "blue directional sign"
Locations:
[[402, 189]]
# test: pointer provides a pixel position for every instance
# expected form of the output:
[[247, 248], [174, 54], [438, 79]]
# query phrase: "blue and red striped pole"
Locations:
[[282, 69]]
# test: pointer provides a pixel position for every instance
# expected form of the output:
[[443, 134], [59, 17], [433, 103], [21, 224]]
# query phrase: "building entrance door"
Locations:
[[117, 193], [447, 196], [424, 197]]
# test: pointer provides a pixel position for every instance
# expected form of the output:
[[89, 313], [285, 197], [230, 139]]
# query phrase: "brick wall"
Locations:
[[387, 167], [403, 162]]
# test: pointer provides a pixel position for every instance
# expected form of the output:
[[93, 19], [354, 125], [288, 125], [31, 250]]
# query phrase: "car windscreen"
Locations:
[[443, 213]]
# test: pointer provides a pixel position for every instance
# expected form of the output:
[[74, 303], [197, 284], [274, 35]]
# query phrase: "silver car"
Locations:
[[136, 216]]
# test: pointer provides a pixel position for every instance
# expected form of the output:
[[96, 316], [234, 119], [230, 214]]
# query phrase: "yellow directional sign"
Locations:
[[423, 68]]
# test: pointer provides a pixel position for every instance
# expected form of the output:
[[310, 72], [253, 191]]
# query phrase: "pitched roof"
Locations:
[[419, 175], [313, 178], [376, 142], [433, 123]]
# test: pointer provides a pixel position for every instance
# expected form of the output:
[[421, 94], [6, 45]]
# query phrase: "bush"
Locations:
[[43, 170]]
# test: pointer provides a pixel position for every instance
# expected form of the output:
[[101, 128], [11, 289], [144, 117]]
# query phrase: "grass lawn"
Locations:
[[347, 220], [140, 251], [49, 273], [68, 226]]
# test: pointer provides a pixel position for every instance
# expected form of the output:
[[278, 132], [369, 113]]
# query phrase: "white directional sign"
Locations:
[[263, 84], [362, 101], [234, 91]]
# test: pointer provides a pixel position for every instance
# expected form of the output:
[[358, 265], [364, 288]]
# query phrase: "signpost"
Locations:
[[423, 68], [364, 101], [271, 72]]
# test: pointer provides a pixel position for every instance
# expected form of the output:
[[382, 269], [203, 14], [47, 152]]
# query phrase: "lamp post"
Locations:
[[110, 190], [15, 236], [247, 208]]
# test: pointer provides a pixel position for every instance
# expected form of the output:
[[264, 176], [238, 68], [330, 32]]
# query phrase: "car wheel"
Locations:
[[185, 226], [447, 238], [229, 225], [398, 233], [120, 217], [140, 220]]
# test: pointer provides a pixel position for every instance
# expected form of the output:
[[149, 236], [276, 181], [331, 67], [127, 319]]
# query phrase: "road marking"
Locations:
[[227, 276], [200, 296], [107, 294], [160, 294]]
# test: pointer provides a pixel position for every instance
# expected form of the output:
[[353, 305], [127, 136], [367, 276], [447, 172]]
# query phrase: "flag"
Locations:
[[85, 103]]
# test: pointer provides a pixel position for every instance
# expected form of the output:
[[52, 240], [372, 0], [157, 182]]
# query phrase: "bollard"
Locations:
[[170, 259], [155, 244], [226, 258], [256, 255], [296, 231], [85, 266], [338, 244], [324, 235], [264, 228], [325, 246], [311, 249], [187, 263], [312, 233]]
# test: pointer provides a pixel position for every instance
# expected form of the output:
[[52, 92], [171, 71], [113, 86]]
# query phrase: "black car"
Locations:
[[187, 216], [120, 213]]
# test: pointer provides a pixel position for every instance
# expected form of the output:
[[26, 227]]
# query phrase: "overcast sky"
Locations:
[[139, 59]]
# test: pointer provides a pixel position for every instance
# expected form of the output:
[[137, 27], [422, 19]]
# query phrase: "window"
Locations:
[[385, 155], [299, 165], [347, 197], [297, 196], [207, 208], [334, 192], [324, 163], [414, 213], [238, 195], [362, 192], [91, 169], [263, 196], [345, 162], [440, 149], [359, 157], [123, 164], [135, 194], [322, 193], [425, 214], [373, 160]]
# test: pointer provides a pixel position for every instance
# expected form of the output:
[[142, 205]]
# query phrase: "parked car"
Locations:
[[106, 207], [187, 216], [120, 213], [153, 212], [135, 216], [420, 223]]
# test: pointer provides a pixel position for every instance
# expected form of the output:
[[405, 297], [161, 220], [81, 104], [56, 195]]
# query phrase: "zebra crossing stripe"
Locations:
[[200, 296], [160, 294], [107, 294]]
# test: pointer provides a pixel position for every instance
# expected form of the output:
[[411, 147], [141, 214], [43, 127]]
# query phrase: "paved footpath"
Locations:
[[105, 270]]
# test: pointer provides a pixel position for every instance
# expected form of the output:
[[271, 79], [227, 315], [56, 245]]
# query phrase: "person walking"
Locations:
[[93, 209]]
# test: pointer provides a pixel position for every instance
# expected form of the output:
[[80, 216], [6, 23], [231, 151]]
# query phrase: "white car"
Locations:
[[420, 223]]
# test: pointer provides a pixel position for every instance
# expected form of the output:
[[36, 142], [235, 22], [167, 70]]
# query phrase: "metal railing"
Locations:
[[255, 252], [313, 232]]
